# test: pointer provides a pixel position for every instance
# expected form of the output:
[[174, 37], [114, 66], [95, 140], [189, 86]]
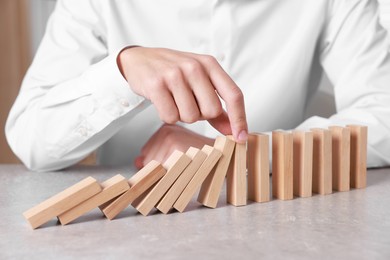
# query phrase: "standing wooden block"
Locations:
[[236, 183], [282, 165], [258, 167], [213, 156], [358, 156], [212, 186], [340, 158], [62, 202], [197, 157], [112, 188], [139, 183], [322, 161], [175, 165], [302, 163]]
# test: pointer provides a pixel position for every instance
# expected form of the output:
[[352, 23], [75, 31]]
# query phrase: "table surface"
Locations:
[[343, 225]]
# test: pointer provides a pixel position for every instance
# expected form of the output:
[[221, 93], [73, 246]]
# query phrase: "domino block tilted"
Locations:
[[62, 202], [112, 188], [175, 164], [139, 183], [212, 186], [197, 158], [213, 156]]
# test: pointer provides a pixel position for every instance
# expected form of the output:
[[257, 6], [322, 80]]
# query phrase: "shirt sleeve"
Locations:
[[73, 97], [384, 8], [356, 58]]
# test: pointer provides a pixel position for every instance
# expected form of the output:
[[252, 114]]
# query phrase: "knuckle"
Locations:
[[191, 117], [210, 59], [236, 96], [170, 118], [192, 66], [212, 112], [173, 74]]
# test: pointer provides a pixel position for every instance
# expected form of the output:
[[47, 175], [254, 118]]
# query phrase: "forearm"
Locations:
[[53, 126]]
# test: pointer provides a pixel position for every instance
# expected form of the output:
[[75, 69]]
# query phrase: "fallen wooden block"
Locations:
[[282, 165], [112, 188], [236, 182], [258, 167], [213, 156], [322, 161], [197, 157], [139, 183], [340, 158], [358, 177], [212, 186], [302, 163], [62, 202], [175, 165]]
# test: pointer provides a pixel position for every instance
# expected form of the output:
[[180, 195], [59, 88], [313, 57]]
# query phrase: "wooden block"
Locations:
[[213, 156], [139, 183], [322, 161], [282, 165], [197, 157], [62, 202], [236, 183], [340, 158], [258, 167], [112, 188], [358, 156], [302, 163], [175, 165], [212, 186]]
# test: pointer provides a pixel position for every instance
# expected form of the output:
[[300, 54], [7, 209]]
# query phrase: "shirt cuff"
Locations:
[[111, 98]]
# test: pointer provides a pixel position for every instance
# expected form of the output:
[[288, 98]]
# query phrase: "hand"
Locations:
[[185, 87], [167, 139]]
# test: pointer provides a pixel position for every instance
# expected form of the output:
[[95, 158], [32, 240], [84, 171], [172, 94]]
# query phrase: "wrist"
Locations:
[[122, 58]]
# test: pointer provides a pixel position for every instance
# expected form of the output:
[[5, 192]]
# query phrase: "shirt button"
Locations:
[[125, 103], [221, 57], [82, 131]]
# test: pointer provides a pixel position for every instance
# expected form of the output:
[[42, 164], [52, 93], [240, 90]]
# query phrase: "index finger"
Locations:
[[231, 95]]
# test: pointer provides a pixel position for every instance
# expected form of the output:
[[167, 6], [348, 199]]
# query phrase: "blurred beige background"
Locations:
[[22, 25]]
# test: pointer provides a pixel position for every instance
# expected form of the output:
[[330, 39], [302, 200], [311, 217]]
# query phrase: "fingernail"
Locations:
[[242, 136]]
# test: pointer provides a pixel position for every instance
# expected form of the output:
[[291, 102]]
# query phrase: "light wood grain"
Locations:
[[204, 170], [139, 183], [197, 158], [340, 158], [175, 165], [322, 161], [302, 163], [62, 202], [212, 186], [282, 165], [258, 167], [358, 156], [236, 181], [112, 188]]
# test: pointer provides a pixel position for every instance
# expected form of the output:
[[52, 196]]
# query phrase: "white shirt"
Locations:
[[74, 99], [384, 11]]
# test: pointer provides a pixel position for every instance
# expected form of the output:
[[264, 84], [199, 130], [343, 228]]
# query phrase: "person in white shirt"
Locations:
[[89, 87]]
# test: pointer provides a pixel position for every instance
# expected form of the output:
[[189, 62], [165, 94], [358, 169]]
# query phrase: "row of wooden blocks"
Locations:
[[319, 160]]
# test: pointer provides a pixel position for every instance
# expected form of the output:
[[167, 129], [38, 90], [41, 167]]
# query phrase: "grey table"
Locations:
[[344, 225]]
